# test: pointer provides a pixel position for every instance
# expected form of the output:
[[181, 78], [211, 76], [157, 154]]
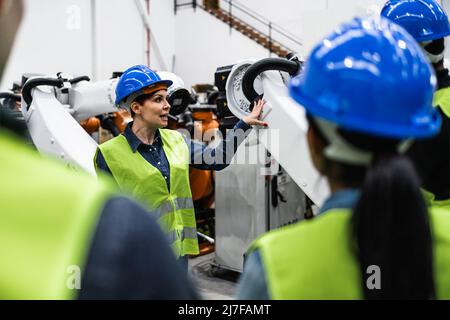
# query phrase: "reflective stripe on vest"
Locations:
[[185, 233], [166, 207], [174, 209], [314, 259], [48, 216]]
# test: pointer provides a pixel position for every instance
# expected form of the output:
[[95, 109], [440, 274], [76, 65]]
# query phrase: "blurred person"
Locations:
[[428, 23], [367, 89], [66, 236]]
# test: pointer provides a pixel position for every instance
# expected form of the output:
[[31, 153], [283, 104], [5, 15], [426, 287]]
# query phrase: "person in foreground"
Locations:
[[367, 89], [68, 236]]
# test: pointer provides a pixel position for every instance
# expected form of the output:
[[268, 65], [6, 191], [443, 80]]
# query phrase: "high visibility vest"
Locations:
[[173, 209], [442, 99], [314, 259], [440, 211], [48, 217], [430, 200]]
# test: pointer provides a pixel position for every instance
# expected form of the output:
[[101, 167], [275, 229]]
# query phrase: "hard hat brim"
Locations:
[[424, 126], [166, 83], [434, 36], [159, 85]]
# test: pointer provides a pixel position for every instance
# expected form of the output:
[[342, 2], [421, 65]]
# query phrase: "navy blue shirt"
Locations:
[[130, 258], [201, 156]]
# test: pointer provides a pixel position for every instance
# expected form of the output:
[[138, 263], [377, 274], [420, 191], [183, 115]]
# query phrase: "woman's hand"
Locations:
[[253, 118]]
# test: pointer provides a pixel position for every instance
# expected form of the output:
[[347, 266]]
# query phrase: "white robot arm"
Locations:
[[51, 108], [285, 138]]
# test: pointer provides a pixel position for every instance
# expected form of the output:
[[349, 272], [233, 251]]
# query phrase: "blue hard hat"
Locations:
[[425, 20], [370, 76], [135, 79]]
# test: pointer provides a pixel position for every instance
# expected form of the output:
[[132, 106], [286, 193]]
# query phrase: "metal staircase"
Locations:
[[233, 13]]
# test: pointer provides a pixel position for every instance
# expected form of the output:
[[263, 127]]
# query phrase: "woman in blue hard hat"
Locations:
[[153, 163], [367, 89], [428, 23]]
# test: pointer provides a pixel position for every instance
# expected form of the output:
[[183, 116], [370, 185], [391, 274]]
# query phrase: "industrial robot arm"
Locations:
[[52, 108], [286, 137]]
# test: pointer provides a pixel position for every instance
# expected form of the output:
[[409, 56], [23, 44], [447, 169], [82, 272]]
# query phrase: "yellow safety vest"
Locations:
[[430, 200], [442, 99], [174, 209], [48, 216], [314, 259]]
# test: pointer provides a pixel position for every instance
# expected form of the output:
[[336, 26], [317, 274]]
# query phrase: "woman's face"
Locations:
[[154, 111]]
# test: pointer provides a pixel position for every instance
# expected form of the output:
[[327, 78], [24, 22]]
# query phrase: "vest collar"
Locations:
[[135, 142]]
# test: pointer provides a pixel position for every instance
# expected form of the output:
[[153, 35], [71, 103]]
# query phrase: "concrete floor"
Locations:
[[220, 286]]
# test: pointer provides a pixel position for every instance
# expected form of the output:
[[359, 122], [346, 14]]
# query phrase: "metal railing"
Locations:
[[241, 13], [177, 4], [272, 28]]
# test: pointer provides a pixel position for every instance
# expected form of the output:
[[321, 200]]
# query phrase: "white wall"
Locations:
[[162, 21], [50, 41], [70, 36], [202, 42], [57, 35], [120, 37]]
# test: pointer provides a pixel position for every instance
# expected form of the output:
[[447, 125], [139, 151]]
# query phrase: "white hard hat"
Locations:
[[177, 95]]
